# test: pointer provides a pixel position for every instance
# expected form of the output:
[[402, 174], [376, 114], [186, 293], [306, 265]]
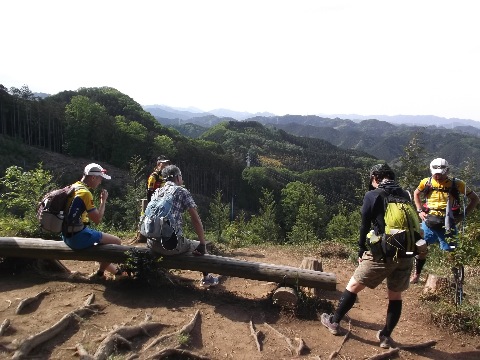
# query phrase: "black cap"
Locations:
[[382, 171]]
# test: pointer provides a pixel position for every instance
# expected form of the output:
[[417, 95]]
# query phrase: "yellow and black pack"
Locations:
[[402, 229]]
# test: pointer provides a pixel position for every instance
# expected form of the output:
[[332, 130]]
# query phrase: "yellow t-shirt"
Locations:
[[80, 204], [155, 180], [437, 197]]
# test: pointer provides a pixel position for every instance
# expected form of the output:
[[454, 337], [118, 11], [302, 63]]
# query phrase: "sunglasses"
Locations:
[[439, 167]]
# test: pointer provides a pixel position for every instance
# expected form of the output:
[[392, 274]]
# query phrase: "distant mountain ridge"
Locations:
[[166, 112], [455, 139]]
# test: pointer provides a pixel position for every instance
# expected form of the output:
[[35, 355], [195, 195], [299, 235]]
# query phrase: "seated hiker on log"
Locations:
[[81, 210], [389, 209], [163, 220]]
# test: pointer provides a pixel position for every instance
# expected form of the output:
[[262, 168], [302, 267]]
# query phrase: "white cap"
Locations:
[[95, 169], [439, 166]]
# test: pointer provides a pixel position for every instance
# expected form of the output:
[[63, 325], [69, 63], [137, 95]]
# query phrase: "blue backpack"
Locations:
[[158, 223]]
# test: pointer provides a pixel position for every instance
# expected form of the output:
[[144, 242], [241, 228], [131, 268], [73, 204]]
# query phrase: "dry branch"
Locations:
[[394, 351], [29, 300], [385, 355], [418, 346], [4, 326], [184, 330], [256, 336], [33, 341], [345, 338]]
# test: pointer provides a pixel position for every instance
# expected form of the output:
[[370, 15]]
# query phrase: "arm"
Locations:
[[418, 204], [96, 215], [364, 227], [197, 224]]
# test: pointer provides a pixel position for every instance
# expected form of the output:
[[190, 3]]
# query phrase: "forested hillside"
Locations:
[[380, 139], [240, 159]]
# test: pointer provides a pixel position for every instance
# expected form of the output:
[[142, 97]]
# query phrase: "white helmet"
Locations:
[[439, 166]]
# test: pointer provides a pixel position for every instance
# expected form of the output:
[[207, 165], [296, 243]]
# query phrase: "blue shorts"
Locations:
[[432, 236], [83, 239]]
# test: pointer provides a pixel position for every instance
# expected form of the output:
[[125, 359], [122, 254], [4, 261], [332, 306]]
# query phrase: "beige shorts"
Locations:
[[183, 245], [397, 272]]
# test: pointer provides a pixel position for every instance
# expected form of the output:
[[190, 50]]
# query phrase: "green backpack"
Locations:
[[402, 229]]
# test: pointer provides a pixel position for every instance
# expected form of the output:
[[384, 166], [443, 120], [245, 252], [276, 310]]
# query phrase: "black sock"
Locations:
[[345, 304], [100, 272], [393, 315], [419, 264]]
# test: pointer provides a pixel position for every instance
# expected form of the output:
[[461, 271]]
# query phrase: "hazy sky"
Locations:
[[369, 57]]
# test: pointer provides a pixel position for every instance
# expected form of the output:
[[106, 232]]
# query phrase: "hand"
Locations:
[[104, 195], [361, 250], [200, 250]]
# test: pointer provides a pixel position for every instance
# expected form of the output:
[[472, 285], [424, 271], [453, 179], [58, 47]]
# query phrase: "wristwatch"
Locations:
[[419, 211]]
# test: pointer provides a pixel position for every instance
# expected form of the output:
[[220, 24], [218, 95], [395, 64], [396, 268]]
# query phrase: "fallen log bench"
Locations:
[[285, 275]]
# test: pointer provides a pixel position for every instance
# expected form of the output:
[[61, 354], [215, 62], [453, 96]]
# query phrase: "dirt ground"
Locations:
[[222, 329]]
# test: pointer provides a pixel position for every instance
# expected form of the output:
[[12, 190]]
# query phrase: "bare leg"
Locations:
[[109, 239]]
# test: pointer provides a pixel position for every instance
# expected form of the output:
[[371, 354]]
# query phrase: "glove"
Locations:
[[199, 250]]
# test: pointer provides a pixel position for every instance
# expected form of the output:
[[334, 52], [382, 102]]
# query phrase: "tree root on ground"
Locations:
[[297, 350], [82, 353], [256, 334], [394, 351], [165, 353], [184, 330], [9, 304], [120, 335], [108, 346], [29, 300], [4, 326], [334, 354], [33, 341]]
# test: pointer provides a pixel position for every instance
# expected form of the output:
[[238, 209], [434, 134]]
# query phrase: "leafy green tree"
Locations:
[[412, 164], [22, 190], [218, 216], [129, 139], [296, 194], [82, 126], [237, 233], [303, 231], [19, 196], [124, 212], [344, 227], [264, 227], [164, 145]]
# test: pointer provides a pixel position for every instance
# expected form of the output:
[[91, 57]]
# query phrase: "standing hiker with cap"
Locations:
[[81, 210], [440, 210], [155, 180], [381, 252]]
